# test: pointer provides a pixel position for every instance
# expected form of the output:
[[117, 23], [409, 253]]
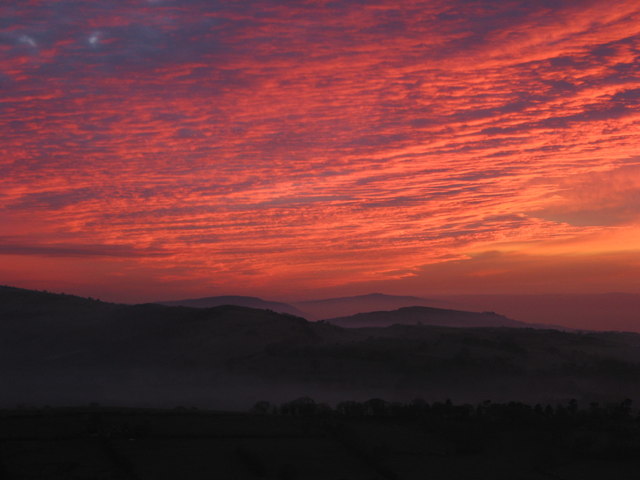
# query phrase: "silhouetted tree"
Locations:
[[262, 408]]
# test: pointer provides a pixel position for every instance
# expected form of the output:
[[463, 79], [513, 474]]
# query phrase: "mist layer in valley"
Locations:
[[61, 349]]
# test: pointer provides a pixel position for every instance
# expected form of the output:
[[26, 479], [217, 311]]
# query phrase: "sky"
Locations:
[[172, 148]]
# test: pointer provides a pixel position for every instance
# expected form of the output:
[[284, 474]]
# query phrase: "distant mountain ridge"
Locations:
[[313, 309], [239, 300], [344, 306], [427, 316], [601, 311], [62, 349]]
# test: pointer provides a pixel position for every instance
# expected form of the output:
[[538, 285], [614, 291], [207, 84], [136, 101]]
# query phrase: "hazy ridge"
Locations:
[[66, 349]]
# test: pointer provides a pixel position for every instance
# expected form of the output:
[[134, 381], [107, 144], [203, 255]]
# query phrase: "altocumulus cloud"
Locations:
[[260, 141]]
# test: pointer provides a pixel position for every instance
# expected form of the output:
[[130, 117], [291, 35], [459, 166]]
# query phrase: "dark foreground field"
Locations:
[[303, 440]]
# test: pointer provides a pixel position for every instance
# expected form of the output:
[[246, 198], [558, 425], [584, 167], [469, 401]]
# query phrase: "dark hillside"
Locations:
[[16, 303], [64, 349], [241, 301], [345, 306], [427, 316]]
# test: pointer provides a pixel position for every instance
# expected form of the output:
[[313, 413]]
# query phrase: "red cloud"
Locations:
[[315, 144]]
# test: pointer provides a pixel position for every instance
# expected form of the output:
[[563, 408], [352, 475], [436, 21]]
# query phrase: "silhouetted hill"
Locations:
[[23, 303], [345, 306], [251, 302], [604, 311], [62, 349], [79, 331], [427, 316]]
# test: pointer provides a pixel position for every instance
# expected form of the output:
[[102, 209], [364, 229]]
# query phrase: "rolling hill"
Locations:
[[603, 311], [373, 302], [427, 316], [241, 301], [61, 349]]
